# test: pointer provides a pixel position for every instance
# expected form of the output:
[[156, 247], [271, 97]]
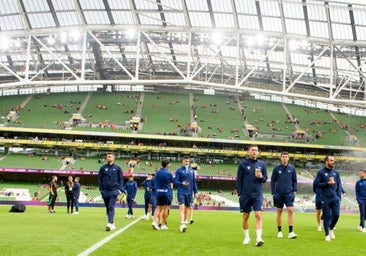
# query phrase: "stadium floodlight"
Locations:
[[217, 38], [4, 42], [130, 34]]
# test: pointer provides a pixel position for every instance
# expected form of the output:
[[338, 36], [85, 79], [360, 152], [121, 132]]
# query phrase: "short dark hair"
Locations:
[[326, 158], [252, 146], [165, 163]]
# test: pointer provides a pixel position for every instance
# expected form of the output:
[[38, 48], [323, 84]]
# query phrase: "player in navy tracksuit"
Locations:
[[330, 185], [162, 186], [130, 188], [185, 180], [318, 204], [110, 182], [360, 189], [150, 199], [283, 188], [251, 175]]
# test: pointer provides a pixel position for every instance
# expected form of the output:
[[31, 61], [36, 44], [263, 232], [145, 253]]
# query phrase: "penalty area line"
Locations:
[[107, 239]]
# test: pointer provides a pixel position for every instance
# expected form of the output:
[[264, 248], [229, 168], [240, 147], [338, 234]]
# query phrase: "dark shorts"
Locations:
[[280, 200], [163, 199], [185, 199], [318, 204], [247, 203]]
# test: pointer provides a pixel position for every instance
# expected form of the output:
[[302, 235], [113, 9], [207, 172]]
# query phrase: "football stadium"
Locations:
[[150, 80]]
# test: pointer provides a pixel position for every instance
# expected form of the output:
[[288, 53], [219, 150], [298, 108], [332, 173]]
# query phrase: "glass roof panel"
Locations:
[[324, 62], [150, 19], [341, 31], [319, 29], [175, 19], [344, 64], [8, 7], [146, 5], [35, 5], [172, 4], [293, 9], [229, 51], [248, 22], [299, 59], [62, 5], [295, 26], [122, 17], [41, 20], [224, 20], [270, 8], [96, 17], [197, 5], [119, 5], [361, 33], [221, 6], [272, 24], [200, 19], [316, 12], [359, 16], [12, 22], [340, 15], [92, 4], [277, 56], [246, 7], [68, 18]]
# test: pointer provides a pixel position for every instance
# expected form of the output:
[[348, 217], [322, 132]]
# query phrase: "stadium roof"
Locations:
[[310, 49]]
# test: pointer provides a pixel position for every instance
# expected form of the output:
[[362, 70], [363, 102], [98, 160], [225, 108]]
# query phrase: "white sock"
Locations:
[[246, 233], [259, 234]]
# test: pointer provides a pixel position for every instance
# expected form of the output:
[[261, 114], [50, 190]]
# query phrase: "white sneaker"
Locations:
[[76, 213], [183, 228], [259, 242], [363, 230], [164, 227], [320, 228], [145, 217], [112, 226], [108, 227], [292, 235], [331, 234], [155, 226], [279, 234], [327, 238], [246, 240]]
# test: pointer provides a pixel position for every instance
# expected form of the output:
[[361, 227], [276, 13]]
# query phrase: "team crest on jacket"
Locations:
[[279, 172], [248, 167]]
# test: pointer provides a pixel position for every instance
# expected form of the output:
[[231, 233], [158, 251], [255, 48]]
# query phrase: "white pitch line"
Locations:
[[107, 239]]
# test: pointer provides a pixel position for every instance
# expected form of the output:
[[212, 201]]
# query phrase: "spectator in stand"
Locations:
[[69, 194], [110, 182], [130, 188], [52, 188], [76, 193]]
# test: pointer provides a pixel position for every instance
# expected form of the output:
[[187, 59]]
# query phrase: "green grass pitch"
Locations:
[[36, 232]]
